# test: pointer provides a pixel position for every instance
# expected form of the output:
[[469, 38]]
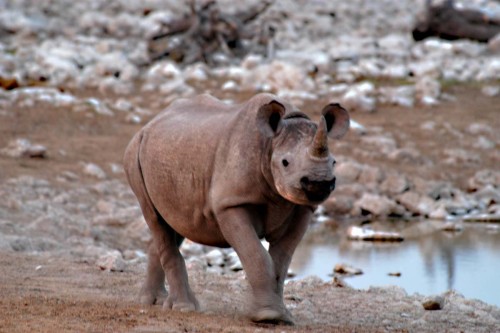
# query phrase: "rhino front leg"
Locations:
[[238, 229], [282, 249]]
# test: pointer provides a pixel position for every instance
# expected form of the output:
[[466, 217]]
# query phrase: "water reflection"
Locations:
[[467, 261]]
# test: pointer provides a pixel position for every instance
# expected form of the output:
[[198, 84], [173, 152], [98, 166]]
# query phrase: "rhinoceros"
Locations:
[[228, 176]]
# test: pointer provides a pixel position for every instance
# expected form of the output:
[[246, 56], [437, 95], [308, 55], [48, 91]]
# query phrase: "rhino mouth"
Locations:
[[317, 191]]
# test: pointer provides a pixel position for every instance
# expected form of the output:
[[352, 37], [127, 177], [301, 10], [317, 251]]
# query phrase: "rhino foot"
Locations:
[[272, 316], [183, 306], [150, 296]]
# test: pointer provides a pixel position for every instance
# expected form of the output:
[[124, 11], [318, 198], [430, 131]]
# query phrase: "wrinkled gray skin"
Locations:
[[224, 176]]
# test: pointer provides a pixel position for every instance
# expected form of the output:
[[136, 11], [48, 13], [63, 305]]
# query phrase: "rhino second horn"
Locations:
[[319, 148]]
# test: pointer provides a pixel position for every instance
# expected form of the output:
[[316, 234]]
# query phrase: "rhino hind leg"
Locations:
[[165, 259], [180, 296], [153, 290]]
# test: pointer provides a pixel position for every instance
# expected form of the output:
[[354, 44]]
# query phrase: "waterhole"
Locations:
[[467, 261]]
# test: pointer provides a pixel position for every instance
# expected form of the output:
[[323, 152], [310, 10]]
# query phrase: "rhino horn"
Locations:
[[319, 148]]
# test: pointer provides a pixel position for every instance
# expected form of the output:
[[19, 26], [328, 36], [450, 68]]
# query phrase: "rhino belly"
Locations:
[[181, 198]]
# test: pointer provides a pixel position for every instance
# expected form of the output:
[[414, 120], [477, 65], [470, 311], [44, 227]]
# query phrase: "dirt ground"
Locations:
[[43, 293]]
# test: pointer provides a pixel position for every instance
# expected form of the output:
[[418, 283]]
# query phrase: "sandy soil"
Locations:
[[44, 293]]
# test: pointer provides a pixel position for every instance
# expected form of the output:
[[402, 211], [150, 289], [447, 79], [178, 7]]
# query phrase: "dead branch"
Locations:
[[447, 22], [206, 30]]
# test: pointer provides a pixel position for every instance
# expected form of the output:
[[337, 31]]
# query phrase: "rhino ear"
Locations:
[[337, 120], [269, 117]]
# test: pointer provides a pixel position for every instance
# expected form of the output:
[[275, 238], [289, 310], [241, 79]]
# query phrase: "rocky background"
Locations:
[[77, 80]]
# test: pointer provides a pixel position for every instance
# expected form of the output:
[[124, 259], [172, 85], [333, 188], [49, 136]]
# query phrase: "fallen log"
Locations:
[[447, 22]]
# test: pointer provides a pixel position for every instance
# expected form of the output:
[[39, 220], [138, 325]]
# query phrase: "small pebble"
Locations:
[[433, 303], [346, 269]]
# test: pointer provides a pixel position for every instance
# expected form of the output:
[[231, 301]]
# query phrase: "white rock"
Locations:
[[458, 156], [279, 75], [402, 96], [133, 118], [469, 48], [371, 176], [338, 205], [235, 73], [347, 172], [113, 85], [123, 105], [416, 203], [491, 91], [440, 213], [94, 170], [44, 95], [484, 143], [394, 183], [116, 64], [297, 97], [377, 205], [367, 234], [483, 178], [396, 41], [163, 71], [489, 70], [428, 90], [370, 67], [429, 68], [428, 125], [116, 168], [345, 269], [112, 261], [134, 254], [307, 58], [234, 263], [488, 195], [190, 249], [230, 86], [196, 72], [395, 71], [384, 143], [175, 86], [338, 89], [152, 23], [23, 147], [433, 303], [357, 127], [436, 44], [215, 258], [99, 107], [251, 61], [360, 97]]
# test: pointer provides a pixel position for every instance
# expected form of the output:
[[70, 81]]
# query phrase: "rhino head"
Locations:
[[301, 164]]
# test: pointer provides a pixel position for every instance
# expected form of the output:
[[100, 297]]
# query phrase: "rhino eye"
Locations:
[[285, 163]]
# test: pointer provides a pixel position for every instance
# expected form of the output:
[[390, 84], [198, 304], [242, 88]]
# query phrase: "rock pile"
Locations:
[[371, 192], [104, 46]]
